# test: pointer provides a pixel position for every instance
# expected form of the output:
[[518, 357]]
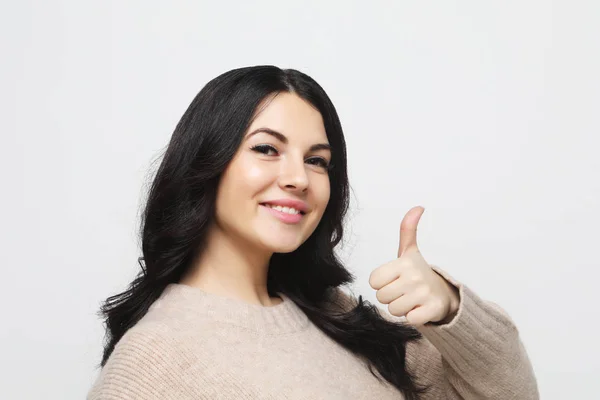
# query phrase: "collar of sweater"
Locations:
[[285, 317]]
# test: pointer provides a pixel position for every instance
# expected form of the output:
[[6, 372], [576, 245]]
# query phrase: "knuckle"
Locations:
[[423, 291], [412, 319], [391, 310], [373, 278], [437, 304], [395, 309]]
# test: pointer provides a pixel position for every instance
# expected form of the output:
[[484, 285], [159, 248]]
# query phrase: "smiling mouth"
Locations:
[[272, 207]]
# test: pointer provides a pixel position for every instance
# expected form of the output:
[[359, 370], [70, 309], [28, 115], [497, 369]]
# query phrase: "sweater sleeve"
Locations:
[[477, 355], [141, 366]]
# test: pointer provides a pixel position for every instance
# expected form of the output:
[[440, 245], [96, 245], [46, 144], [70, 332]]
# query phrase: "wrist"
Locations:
[[454, 303], [452, 307]]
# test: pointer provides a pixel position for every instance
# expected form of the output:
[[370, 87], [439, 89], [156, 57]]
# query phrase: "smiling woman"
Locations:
[[283, 162], [240, 295]]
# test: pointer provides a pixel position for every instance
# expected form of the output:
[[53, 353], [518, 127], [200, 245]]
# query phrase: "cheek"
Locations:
[[249, 177], [252, 173], [254, 178], [322, 193]]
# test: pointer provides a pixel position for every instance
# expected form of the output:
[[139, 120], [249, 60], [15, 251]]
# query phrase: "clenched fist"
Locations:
[[409, 286]]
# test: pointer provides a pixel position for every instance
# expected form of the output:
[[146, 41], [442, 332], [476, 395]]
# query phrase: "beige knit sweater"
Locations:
[[196, 345]]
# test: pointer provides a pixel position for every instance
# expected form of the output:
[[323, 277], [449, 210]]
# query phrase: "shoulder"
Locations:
[[140, 366], [150, 360], [161, 335]]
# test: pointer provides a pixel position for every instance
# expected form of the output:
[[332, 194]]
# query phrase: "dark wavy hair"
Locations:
[[181, 205]]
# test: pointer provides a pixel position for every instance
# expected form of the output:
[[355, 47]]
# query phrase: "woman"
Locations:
[[240, 293]]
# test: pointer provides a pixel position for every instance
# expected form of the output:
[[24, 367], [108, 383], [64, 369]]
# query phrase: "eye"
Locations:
[[319, 161], [263, 148]]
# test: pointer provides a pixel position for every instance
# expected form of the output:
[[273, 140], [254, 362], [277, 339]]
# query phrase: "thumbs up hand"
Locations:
[[409, 286]]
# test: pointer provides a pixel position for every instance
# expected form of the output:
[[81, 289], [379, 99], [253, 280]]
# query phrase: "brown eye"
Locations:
[[321, 162], [263, 148]]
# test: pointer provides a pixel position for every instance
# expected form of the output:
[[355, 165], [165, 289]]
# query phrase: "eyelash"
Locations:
[[264, 148]]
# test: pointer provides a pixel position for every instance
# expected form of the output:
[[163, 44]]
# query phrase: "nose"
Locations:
[[293, 175]]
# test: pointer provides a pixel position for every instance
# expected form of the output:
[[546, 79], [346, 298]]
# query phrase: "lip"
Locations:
[[283, 217], [297, 204]]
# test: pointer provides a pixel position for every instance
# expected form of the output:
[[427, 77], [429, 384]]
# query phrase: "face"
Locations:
[[283, 161]]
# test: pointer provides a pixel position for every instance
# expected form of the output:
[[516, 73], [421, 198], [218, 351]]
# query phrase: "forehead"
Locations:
[[292, 116]]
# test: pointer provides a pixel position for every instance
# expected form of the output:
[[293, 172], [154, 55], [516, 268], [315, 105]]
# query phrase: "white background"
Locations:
[[485, 113]]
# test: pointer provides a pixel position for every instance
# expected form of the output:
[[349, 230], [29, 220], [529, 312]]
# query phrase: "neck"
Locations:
[[230, 267]]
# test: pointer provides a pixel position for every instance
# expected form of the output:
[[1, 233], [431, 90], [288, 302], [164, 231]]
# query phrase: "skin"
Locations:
[[409, 286], [244, 235]]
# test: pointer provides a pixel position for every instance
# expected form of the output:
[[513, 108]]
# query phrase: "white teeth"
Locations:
[[286, 210]]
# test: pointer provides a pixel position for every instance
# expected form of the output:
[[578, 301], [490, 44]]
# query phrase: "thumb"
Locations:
[[408, 230]]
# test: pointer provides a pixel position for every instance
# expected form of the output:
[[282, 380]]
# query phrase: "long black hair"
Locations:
[[181, 205]]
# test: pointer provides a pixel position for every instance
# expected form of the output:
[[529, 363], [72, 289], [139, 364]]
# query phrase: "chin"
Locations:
[[284, 247], [284, 250], [281, 245]]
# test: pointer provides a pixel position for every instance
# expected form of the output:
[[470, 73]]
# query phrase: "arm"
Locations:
[[477, 355]]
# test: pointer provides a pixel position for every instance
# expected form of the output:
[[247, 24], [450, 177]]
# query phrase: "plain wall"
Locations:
[[485, 113]]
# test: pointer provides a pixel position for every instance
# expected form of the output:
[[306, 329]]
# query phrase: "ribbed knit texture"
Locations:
[[196, 345]]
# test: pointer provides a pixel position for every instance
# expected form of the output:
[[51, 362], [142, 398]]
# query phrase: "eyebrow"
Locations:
[[281, 137]]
